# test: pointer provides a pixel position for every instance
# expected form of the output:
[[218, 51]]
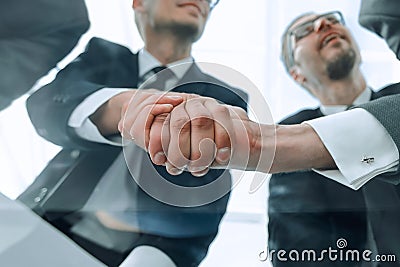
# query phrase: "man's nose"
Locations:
[[322, 24]]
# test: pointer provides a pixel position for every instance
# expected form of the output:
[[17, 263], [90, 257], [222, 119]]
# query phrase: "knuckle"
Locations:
[[222, 136], [195, 155], [202, 123], [160, 119], [179, 122], [191, 96], [221, 109]]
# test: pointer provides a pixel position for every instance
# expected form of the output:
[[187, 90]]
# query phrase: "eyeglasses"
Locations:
[[306, 28], [212, 3]]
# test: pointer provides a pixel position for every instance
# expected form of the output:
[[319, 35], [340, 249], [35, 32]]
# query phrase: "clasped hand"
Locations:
[[187, 132]]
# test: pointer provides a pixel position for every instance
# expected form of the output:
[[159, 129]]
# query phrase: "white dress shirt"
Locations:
[[79, 119], [359, 154]]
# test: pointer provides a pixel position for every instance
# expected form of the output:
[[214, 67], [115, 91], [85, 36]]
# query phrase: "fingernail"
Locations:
[[200, 173], [173, 170], [197, 169], [168, 106], [159, 158], [223, 155]]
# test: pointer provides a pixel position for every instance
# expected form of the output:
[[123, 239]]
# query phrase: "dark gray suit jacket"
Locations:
[[304, 204], [34, 36]]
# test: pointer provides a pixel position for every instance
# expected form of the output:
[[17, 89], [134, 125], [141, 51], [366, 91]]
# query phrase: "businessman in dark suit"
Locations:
[[34, 36], [81, 110], [305, 209]]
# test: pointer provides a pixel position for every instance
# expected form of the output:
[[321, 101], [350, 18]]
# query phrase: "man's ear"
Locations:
[[137, 4], [296, 75]]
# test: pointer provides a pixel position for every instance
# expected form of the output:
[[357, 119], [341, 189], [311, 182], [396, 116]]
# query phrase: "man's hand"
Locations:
[[201, 133], [137, 114], [191, 136], [196, 133]]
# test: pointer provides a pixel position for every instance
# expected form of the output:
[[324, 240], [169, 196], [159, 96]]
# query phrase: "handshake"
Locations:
[[187, 132]]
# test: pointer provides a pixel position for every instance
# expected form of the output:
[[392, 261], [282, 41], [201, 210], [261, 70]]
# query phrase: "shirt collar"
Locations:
[[364, 97], [147, 62]]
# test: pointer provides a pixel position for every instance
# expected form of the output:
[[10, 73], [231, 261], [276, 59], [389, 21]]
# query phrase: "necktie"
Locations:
[[157, 78], [158, 69]]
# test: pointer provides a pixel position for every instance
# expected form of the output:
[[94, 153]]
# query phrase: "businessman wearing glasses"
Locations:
[[306, 210]]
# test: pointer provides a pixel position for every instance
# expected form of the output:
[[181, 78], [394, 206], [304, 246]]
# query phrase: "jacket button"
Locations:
[[42, 194], [75, 154]]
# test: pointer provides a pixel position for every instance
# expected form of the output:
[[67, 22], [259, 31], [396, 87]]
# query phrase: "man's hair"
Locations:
[[285, 42]]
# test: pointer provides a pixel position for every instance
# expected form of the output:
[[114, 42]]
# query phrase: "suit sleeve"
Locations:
[[34, 36], [50, 107], [387, 111], [383, 18]]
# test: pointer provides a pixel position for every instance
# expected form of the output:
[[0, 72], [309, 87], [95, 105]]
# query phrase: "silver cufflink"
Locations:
[[367, 160]]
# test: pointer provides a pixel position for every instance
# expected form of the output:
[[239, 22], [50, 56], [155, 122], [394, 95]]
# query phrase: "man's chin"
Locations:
[[188, 30]]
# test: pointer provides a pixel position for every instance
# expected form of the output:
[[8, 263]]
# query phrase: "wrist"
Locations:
[[107, 116], [263, 146], [298, 147]]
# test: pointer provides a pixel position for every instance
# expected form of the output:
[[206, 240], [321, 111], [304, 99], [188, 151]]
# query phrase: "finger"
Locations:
[[201, 173], [159, 139], [130, 111], [121, 122], [179, 145], [223, 130], [201, 135], [140, 130], [138, 104], [165, 140], [171, 169]]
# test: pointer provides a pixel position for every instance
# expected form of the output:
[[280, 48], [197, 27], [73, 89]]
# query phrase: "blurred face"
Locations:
[[180, 17], [322, 45]]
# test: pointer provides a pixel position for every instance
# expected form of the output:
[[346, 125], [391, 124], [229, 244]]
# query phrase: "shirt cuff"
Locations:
[[360, 146], [79, 119], [89, 131]]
